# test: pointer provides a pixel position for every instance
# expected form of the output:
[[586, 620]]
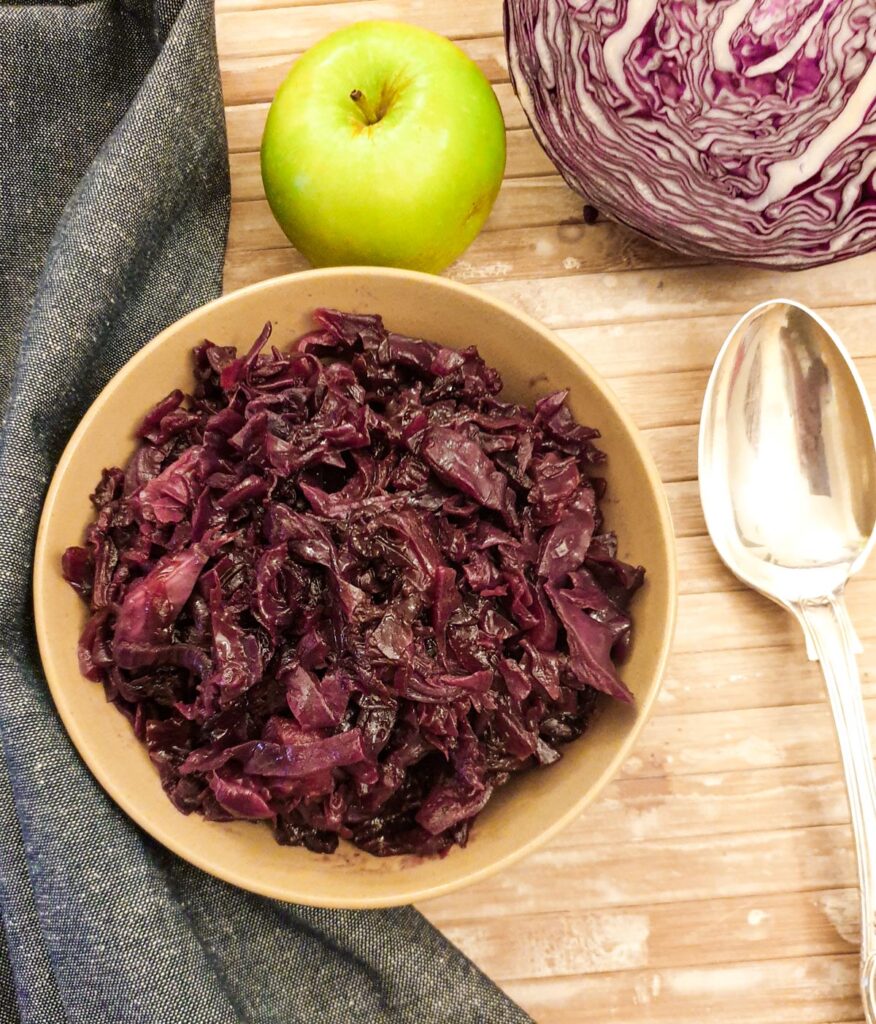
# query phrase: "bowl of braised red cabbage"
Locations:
[[354, 586]]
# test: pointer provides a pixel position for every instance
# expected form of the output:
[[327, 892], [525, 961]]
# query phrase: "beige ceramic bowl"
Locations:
[[523, 814]]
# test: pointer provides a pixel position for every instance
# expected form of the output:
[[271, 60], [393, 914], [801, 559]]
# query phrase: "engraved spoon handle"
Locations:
[[827, 624]]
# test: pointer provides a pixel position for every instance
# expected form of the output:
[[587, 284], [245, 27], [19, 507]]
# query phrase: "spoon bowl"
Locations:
[[787, 455]]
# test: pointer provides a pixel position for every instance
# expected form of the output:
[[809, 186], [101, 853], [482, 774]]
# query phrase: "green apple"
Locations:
[[384, 145]]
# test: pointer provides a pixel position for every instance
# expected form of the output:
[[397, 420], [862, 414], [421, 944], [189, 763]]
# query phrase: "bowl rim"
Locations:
[[43, 566]]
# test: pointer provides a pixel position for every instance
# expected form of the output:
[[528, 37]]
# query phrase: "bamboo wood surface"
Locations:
[[715, 880]]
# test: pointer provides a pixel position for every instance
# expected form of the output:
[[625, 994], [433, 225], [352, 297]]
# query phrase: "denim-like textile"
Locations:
[[113, 216]]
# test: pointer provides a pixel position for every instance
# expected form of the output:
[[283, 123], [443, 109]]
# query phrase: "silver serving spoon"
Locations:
[[787, 466]]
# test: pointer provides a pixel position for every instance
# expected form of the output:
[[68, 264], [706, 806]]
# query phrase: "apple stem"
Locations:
[[361, 101]]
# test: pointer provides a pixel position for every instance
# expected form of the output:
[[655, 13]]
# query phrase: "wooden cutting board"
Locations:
[[715, 881]]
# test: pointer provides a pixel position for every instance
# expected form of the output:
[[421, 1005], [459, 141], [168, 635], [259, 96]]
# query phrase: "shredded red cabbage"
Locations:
[[350, 591]]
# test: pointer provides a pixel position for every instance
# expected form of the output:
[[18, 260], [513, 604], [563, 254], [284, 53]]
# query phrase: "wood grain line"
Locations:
[[619, 940], [778, 991], [680, 869], [278, 30], [255, 78], [680, 294]]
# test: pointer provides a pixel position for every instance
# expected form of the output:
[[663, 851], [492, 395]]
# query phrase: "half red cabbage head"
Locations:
[[737, 129]]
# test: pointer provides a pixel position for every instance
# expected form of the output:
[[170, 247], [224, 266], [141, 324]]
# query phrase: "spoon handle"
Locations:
[[828, 626]]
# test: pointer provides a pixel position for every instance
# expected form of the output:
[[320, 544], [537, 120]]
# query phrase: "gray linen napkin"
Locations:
[[113, 217]]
